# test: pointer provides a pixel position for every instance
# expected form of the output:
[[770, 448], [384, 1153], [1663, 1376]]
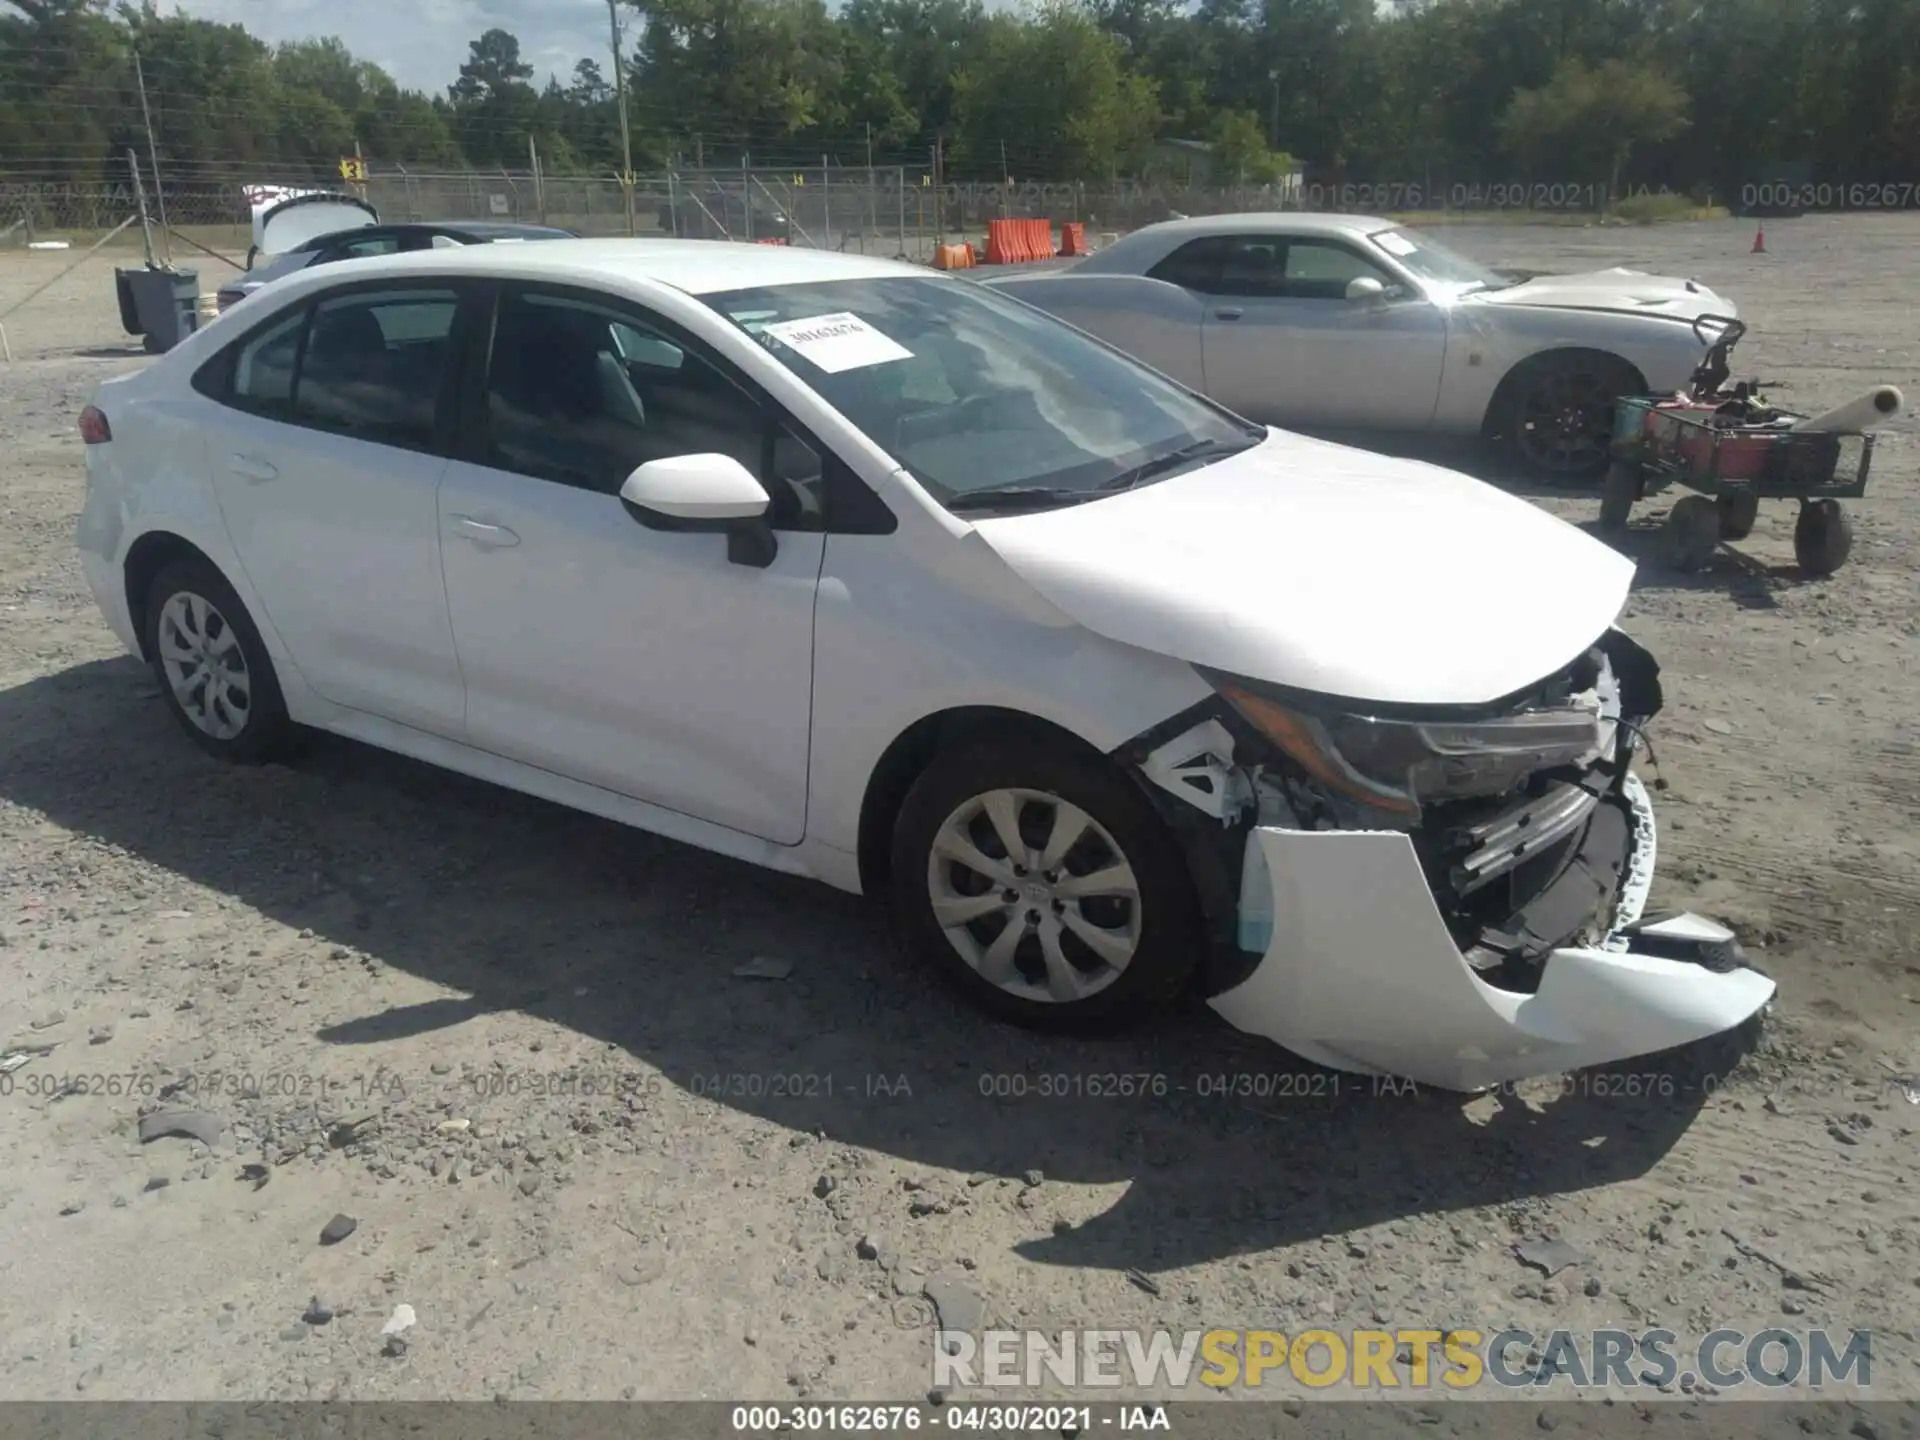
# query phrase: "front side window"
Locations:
[[583, 394], [1319, 270], [374, 365], [974, 393]]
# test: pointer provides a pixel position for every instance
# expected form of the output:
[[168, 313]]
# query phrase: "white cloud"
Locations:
[[421, 43]]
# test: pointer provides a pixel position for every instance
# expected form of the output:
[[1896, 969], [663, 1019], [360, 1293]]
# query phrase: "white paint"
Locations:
[[1298, 562], [837, 342], [1362, 975]]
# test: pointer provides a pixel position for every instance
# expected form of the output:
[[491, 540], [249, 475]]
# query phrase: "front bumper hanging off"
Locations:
[[1361, 974]]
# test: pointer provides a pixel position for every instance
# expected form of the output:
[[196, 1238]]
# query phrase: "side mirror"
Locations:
[[704, 493], [1363, 289]]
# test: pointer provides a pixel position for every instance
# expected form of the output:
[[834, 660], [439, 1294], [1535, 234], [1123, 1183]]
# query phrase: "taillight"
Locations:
[[94, 429]]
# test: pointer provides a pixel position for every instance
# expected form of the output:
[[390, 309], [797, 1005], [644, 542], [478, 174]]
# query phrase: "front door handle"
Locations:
[[491, 537], [1230, 312], [249, 468]]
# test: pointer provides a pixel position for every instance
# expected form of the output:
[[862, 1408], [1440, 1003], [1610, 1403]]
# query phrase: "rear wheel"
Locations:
[[1622, 489], [1044, 886], [1556, 413], [1692, 533], [1822, 537], [212, 665], [1738, 510]]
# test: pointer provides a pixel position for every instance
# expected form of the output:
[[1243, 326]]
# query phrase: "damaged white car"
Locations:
[[859, 572]]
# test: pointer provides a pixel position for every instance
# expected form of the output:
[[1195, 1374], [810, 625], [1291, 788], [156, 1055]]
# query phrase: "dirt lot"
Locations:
[[596, 1163]]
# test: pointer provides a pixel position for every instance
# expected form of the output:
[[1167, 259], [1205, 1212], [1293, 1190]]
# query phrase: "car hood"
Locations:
[[1330, 569], [1629, 291]]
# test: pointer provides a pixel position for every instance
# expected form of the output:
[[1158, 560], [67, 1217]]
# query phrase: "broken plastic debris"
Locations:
[[194, 1124], [1549, 1257], [763, 967], [401, 1319]]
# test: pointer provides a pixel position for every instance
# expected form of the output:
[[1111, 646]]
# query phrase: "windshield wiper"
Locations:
[[1017, 497], [1173, 460]]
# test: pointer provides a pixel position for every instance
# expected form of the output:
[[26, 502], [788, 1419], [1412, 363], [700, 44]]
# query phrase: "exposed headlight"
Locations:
[[1399, 765]]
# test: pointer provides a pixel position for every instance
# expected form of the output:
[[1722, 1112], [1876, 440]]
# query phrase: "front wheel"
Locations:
[[1556, 413], [1044, 886]]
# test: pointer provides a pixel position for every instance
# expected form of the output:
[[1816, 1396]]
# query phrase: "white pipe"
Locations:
[[1862, 413]]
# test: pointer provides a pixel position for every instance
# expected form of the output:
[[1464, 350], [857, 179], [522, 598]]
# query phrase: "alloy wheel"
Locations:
[[1566, 420], [1035, 895]]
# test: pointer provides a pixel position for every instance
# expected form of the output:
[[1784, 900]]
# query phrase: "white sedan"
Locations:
[[1346, 322], [855, 571]]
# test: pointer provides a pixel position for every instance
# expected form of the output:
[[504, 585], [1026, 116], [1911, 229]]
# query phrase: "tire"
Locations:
[[1154, 934], [1555, 413], [231, 708], [1692, 533], [1622, 489], [1822, 537], [1738, 510]]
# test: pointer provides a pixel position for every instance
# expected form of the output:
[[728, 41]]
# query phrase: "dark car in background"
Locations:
[[375, 239], [716, 213]]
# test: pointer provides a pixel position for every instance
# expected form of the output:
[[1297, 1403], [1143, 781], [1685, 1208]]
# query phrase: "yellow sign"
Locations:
[[629, 180], [926, 180], [352, 167], [799, 179]]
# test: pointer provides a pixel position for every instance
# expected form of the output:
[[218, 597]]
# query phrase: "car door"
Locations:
[[1282, 343], [643, 661], [325, 453]]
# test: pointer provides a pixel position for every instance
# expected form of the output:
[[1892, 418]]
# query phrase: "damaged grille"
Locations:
[[1495, 847], [1519, 876]]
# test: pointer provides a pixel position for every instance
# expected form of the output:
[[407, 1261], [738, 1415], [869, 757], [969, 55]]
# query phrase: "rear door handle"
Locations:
[[491, 537], [249, 468], [1231, 312]]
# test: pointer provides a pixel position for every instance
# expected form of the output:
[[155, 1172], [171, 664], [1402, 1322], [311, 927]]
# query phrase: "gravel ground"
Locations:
[[509, 1042]]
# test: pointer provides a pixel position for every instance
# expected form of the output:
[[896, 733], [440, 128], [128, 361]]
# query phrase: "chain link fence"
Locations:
[[894, 211]]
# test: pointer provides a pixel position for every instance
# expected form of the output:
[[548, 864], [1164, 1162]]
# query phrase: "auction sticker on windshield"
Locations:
[[1395, 244], [837, 342]]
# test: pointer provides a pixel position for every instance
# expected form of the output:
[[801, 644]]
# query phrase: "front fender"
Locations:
[[1486, 344]]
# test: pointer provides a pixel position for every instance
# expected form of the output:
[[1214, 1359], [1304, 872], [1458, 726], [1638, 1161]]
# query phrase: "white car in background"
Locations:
[[1347, 322], [856, 571]]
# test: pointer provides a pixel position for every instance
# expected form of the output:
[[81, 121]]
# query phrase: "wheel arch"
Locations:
[[1516, 375], [911, 751], [145, 559]]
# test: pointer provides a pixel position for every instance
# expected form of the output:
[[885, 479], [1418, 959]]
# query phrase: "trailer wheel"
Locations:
[[1692, 533], [1616, 498], [1822, 537], [1738, 510]]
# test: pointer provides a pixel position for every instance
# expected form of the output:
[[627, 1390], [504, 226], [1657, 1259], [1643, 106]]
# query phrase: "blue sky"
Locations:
[[422, 42]]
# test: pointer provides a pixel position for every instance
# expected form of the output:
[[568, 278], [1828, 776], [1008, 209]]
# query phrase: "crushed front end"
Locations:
[[1452, 896]]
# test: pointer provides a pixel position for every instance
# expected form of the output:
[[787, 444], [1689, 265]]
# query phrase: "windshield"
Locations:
[[973, 393], [1434, 263]]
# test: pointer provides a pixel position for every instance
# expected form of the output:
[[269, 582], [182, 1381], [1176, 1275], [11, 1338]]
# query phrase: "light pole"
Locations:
[[1273, 140]]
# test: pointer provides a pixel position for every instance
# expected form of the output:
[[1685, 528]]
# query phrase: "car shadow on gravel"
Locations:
[[1231, 1145]]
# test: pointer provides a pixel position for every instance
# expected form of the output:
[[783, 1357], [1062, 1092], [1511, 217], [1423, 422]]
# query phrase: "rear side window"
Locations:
[[263, 368], [375, 364]]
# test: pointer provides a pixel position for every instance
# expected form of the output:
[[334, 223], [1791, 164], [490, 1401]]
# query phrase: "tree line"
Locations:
[[1596, 94]]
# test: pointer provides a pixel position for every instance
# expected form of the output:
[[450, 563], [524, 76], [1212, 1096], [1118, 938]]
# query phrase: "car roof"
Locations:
[[697, 267], [1293, 222]]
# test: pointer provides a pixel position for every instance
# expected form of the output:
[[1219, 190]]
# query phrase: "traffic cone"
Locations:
[[1759, 240]]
